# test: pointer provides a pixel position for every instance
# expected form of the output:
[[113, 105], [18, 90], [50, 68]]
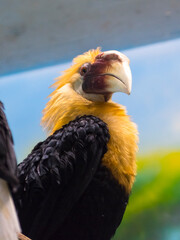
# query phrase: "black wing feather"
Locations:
[[57, 172], [8, 164]]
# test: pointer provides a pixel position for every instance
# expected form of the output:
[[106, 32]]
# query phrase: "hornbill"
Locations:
[[9, 224], [75, 185]]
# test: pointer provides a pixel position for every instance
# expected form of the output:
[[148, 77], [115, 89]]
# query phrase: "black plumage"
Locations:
[[8, 164], [66, 193]]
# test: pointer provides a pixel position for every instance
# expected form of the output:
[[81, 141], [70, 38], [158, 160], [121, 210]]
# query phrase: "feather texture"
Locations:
[[122, 147], [8, 164], [9, 224], [57, 173]]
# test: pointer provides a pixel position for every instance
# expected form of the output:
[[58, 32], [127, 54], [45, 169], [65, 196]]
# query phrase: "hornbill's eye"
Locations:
[[84, 68]]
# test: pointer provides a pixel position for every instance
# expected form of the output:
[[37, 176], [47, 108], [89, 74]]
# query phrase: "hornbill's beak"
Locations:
[[108, 74]]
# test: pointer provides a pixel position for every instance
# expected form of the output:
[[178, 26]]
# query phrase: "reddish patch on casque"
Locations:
[[109, 57]]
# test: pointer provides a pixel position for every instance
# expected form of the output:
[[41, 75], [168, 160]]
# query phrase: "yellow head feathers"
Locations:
[[58, 106], [77, 63]]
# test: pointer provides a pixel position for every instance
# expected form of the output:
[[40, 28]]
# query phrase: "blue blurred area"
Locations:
[[154, 103], [24, 96]]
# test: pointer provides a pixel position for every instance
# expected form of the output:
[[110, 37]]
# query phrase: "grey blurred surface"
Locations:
[[39, 33]]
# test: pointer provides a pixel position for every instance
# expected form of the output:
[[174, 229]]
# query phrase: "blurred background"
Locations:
[[38, 40]]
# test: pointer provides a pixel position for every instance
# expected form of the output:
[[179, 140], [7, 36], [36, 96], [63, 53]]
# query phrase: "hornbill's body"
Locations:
[[75, 185], [9, 225]]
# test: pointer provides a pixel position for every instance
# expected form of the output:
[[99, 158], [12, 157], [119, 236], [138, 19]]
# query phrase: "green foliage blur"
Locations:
[[153, 212]]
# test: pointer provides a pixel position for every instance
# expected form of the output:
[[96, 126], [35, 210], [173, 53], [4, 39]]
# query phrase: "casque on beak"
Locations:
[[108, 74]]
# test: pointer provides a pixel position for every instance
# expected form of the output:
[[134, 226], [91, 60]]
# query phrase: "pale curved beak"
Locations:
[[119, 78], [108, 74]]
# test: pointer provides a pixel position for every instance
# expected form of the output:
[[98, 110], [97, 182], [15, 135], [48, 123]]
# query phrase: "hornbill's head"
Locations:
[[88, 84], [96, 75]]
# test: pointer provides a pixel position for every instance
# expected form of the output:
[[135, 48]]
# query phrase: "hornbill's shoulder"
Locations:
[[63, 165], [55, 151], [8, 164]]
